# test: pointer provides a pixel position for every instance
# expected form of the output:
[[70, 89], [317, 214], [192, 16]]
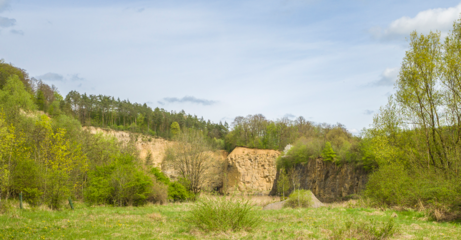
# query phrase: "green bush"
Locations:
[[32, 196], [390, 185], [160, 176], [328, 154], [176, 191], [299, 199], [121, 183], [224, 214]]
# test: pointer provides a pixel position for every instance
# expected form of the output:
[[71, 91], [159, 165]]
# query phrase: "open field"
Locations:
[[169, 222]]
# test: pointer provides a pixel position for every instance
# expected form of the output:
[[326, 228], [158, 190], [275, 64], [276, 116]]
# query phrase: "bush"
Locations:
[[32, 196], [121, 183], [159, 193], [223, 214], [299, 198], [390, 185], [160, 176], [177, 192]]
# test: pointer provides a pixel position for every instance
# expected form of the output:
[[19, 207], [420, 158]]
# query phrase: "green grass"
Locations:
[[169, 222]]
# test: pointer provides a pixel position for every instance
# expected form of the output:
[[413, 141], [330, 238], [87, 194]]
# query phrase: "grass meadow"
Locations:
[[334, 221]]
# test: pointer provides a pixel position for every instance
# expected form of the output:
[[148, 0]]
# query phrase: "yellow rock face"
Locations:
[[250, 170]]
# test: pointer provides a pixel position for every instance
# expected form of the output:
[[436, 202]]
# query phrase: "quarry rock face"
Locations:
[[328, 181], [250, 170], [147, 146], [154, 149]]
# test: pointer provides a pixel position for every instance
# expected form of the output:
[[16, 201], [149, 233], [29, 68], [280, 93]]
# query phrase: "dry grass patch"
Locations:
[[156, 217]]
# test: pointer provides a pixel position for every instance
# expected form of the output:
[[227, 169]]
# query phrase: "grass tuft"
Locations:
[[224, 214], [372, 230]]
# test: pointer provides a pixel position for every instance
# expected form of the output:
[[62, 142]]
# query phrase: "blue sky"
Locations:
[[329, 61]]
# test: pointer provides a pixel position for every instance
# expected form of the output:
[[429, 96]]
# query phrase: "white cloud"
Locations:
[[388, 77], [51, 77], [368, 112], [7, 22], [17, 32], [440, 19], [189, 99], [289, 115], [75, 77]]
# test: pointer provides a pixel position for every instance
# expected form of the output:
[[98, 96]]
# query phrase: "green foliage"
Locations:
[[106, 111], [174, 129], [8, 70], [299, 199], [328, 154], [14, 97], [178, 193], [283, 184], [33, 196], [119, 183], [390, 185], [224, 214], [160, 176]]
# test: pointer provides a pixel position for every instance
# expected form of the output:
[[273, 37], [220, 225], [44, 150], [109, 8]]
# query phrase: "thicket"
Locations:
[[177, 192], [415, 138], [332, 143], [47, 156]]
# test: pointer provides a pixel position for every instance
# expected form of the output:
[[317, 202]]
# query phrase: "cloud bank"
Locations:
[[51, 77], [388, 77], [368, 112], [430, 20], [7, 22], [187, 99]]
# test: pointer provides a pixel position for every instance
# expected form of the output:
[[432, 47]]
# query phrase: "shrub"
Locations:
[[160, 176], [299, 198], [120, 183], [32, 196], [328, 154], [159, 193], [223, 214], [177, 192], [390, 185]]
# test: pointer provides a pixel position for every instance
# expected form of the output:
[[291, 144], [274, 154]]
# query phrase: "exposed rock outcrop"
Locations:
[[155, 149], [328, 181], [146, 145], [250, 170]]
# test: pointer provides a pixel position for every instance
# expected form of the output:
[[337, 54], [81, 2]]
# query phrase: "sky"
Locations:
[[328, 61]]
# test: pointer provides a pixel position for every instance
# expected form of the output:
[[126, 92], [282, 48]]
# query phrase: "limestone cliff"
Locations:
[[328, 181], [155, 148], [146, 145], [250, 170]]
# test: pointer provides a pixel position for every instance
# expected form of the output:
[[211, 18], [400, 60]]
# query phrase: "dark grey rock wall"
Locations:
[[328, 181]]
